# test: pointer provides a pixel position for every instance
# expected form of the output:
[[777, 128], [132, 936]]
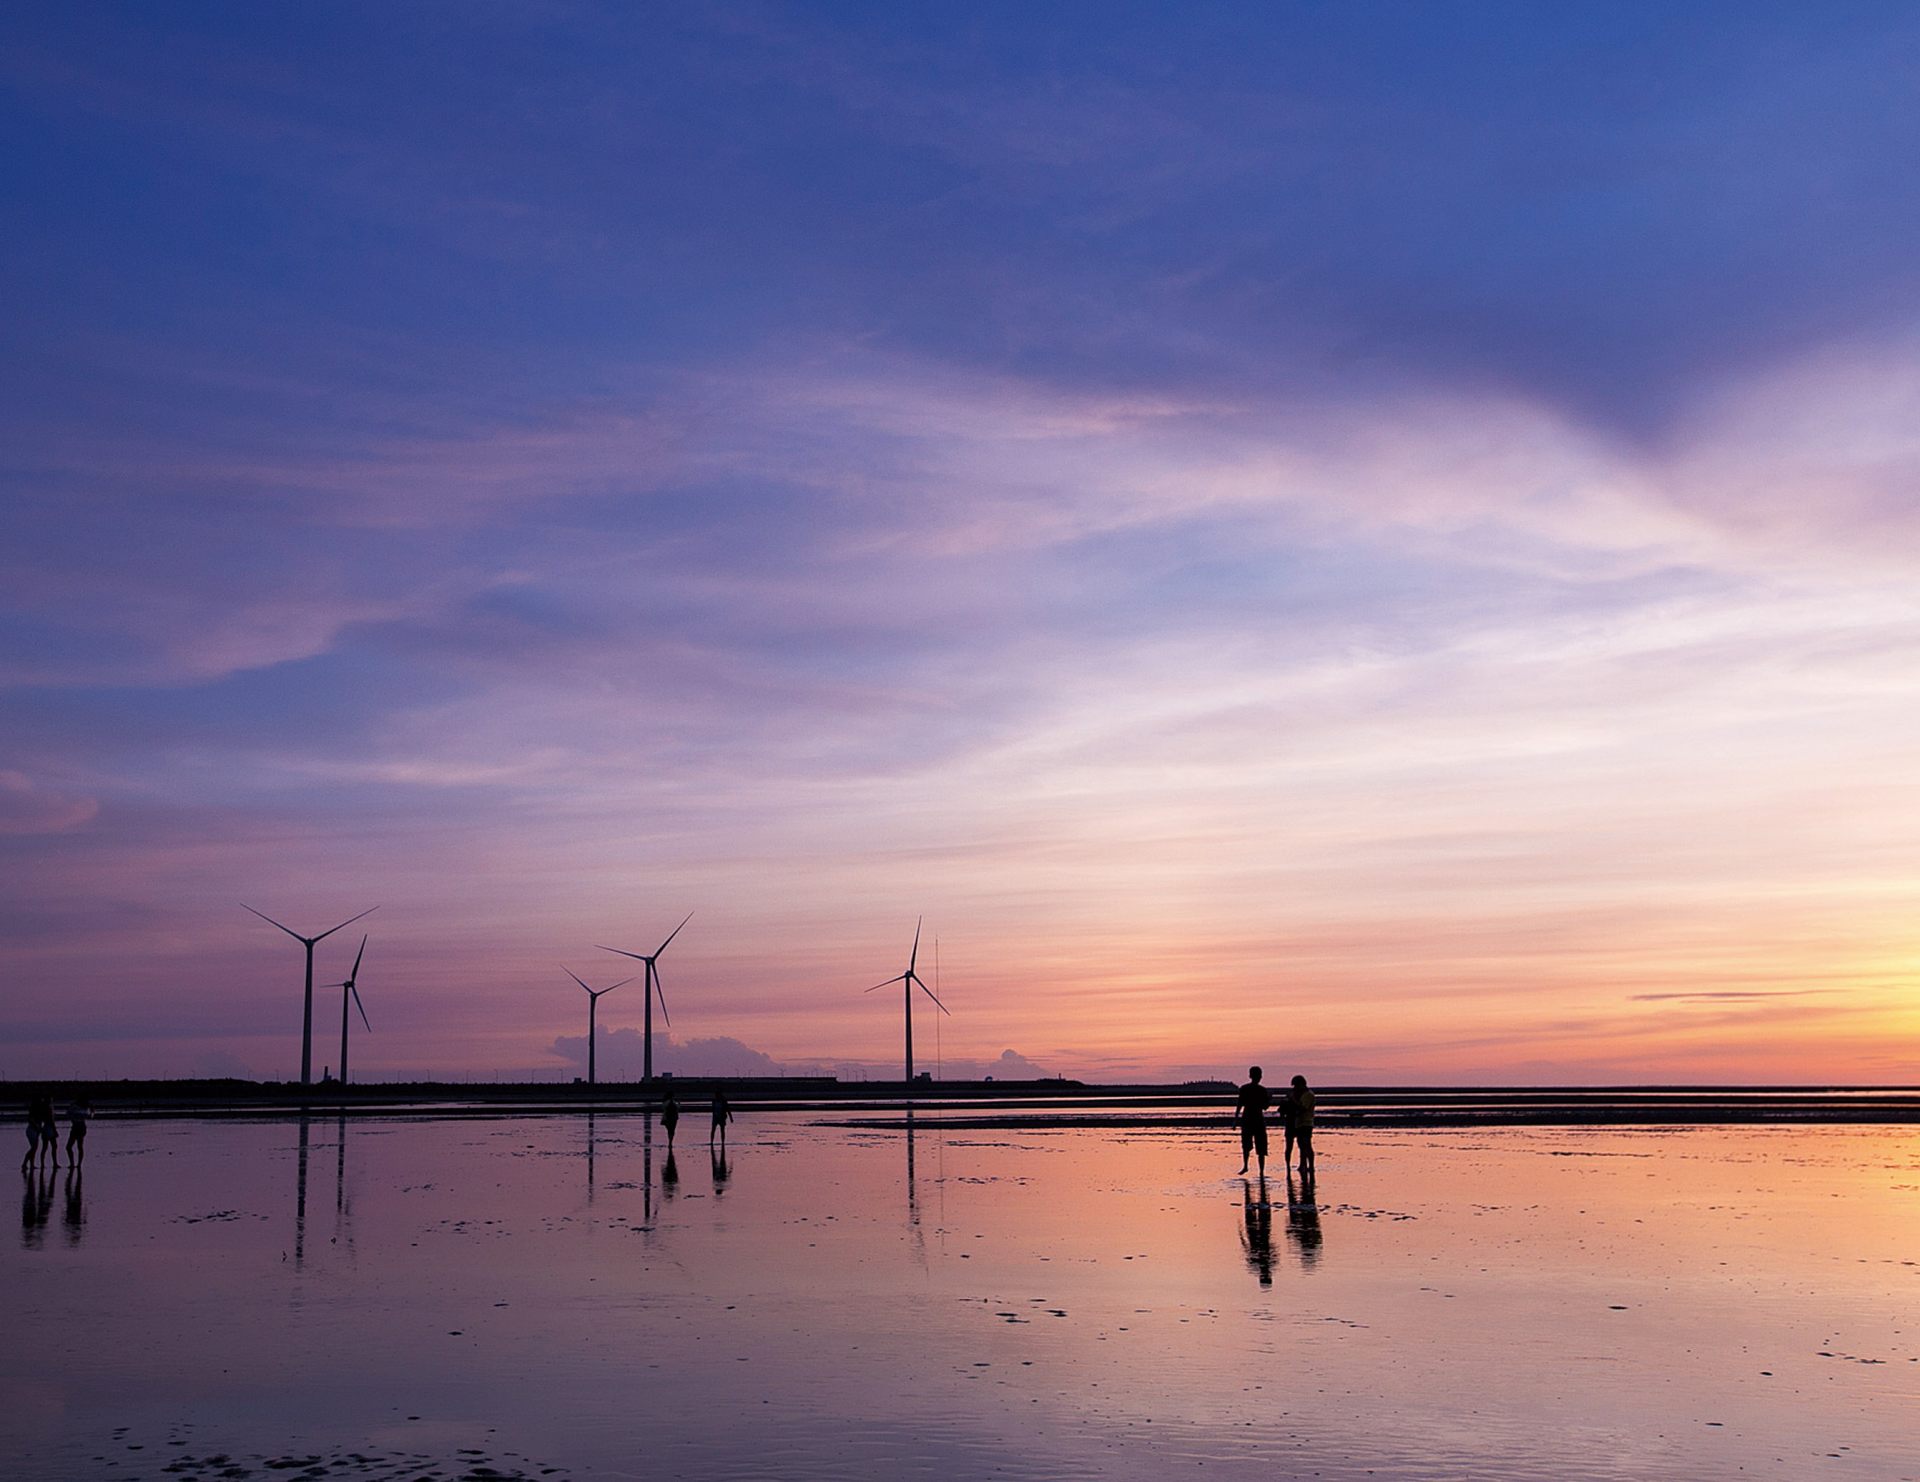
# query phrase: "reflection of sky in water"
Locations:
[[829, 1302]]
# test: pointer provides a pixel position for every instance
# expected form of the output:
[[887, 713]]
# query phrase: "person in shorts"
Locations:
[[670, 1117], [78, 1115], [1298, 1111], [1250, 1114]]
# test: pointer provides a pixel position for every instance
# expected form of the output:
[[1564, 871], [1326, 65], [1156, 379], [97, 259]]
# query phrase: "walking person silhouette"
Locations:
[[1250, 1113], [722, 1114], [78, 1115], [670, 1118]]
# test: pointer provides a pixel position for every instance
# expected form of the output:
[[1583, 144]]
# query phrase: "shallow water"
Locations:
[[453, 1298]]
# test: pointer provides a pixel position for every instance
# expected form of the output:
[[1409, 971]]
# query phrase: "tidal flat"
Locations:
[[557, 1296]]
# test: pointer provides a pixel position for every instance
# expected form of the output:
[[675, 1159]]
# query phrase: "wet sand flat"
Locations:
[[545, 1296]]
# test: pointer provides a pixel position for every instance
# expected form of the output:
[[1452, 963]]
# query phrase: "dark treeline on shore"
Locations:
[[965, 1104]]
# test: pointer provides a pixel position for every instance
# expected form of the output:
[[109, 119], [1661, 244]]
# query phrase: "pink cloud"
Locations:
[[27, 807]]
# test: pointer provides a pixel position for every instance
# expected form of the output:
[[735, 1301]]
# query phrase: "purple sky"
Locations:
[[1379, 537]]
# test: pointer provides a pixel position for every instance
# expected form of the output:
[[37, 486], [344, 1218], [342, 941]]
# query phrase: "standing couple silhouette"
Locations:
[[1296, 1118]]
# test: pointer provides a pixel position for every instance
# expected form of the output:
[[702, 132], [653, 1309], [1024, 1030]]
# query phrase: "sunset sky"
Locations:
[[1379, 538]]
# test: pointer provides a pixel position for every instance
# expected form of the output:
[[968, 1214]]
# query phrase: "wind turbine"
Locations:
[[349, 991], [593, 1013], [907, 980], [306, 1026], [653, 987]]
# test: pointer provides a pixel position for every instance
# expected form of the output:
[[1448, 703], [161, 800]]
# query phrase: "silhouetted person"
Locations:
[[722, 1114], [43, 1136], [1257, 1234], [670, 1116], [1299, 1114], [76, 1211], [78, 1116], [49, 1130], [1303, 1221], [1250, 1112]]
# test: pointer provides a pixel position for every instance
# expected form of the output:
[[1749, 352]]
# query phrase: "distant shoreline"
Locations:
[[984, 1105]]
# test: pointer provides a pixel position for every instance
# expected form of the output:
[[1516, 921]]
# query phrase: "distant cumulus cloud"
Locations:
[[221, 1065], [1010, 1066], [622, 1056]]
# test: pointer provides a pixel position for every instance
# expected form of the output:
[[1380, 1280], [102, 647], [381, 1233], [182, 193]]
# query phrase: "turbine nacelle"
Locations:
[[651, 960]]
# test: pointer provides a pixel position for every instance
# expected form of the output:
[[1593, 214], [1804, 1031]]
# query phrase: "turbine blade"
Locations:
[[354, 976], [674, 933], [360, 1006], [929, 992], [660, 990], [915, 958], [636, 956], [348, 922], [271, 922], [888, 984], [575, 976], [621, 984]]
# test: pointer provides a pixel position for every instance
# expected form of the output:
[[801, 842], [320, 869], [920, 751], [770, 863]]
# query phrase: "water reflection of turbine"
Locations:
[[646, 1168], [342, 1211], [914, 1231], [589, 1155], [913, 1202], [300, 1200]]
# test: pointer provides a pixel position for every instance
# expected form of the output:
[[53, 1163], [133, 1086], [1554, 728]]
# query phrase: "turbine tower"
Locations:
[[593, 1015], [349, 990], [653, 987], [907, 981], [306, 1027]]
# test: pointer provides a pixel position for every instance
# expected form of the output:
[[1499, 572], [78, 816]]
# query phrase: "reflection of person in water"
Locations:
[[76, 1211], [1256, 1233], [669, 1174], [1303, 1221], [722, 1170], [670, 1116]]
